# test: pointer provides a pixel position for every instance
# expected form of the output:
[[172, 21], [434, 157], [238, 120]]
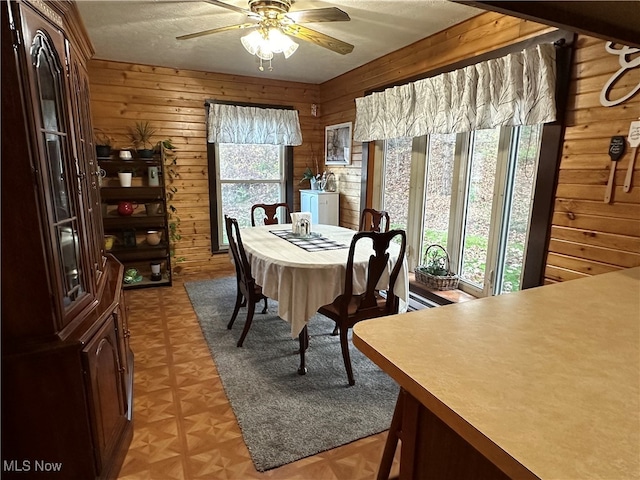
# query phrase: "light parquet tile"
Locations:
[[184, 427]]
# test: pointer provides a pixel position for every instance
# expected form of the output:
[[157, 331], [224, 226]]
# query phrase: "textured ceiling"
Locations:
[[145, 32]]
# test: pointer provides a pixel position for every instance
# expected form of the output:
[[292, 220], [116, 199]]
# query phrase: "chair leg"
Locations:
[[251, 307], [344, 344], [236, 309], [264, 310]]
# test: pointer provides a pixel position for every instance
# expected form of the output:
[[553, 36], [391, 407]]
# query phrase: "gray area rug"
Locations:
[[285, 416]]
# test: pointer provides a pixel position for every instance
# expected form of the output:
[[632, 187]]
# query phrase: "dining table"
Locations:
[[304, 272]]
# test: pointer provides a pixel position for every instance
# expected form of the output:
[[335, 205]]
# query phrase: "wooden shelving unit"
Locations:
[[130, 231]]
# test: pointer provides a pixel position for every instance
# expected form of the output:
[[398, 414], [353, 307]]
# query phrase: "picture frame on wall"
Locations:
[[337, 144]]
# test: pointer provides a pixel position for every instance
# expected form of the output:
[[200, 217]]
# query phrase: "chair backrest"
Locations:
[[270, 213], [373, 220], [243, 268], [367, 304]]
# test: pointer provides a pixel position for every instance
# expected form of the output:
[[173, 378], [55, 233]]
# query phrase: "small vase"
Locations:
[[314, 184], [154, 237], [125, 178]]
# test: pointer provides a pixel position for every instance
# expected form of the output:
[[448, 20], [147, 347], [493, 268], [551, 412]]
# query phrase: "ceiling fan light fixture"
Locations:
[[277, 40], [290, 50], [252, 42], [266, 41], [264, 53]]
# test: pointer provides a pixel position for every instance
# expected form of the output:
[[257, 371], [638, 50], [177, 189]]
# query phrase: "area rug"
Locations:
[[285, 416]]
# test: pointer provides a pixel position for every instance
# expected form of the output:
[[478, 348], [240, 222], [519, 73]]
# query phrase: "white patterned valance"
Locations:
[[518, 89], [253, 125]]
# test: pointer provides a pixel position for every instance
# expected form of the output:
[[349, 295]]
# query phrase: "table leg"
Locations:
[[303, 338]]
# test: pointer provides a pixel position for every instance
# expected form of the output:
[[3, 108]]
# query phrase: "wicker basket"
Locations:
[[436, 282]]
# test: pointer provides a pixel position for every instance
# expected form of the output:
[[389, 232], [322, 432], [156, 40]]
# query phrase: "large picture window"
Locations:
[[471, 193], [246, 175]]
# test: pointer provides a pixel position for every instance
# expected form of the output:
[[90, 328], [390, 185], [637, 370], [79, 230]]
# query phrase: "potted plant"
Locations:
[[140, 136], [313, 179], [103, 143]]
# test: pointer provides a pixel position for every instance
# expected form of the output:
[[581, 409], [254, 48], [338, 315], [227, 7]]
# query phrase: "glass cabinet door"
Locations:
[[60, 176], [85, 152]]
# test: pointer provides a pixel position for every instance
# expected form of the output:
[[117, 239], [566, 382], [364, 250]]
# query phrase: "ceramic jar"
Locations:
[[109, 241], [154, 237], [125, 178]]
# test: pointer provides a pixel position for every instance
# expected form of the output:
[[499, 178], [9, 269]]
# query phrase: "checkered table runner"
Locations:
[[310, 244]]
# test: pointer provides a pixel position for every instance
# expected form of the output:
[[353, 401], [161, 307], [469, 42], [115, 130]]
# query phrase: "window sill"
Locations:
[[440, 297]]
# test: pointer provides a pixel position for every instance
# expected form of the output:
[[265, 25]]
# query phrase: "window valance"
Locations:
[[253, 125], [518, 89]]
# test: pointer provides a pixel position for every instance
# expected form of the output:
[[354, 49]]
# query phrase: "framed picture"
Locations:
[[337, 144]]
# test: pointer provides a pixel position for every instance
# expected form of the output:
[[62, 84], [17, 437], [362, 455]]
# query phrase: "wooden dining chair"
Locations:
[[270, 212], [373, 220], [248, 292], [349, 308]]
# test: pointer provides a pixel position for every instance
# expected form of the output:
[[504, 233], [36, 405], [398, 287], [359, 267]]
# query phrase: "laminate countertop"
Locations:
[[544, 382]]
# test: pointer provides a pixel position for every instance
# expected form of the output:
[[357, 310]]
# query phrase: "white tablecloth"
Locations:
[[303, 281]]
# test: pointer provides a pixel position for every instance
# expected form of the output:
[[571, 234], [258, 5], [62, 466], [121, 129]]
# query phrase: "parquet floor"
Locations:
[[184, 427]]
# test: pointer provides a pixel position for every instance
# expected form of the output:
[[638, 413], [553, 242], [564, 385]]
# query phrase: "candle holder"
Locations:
[[156, 273]]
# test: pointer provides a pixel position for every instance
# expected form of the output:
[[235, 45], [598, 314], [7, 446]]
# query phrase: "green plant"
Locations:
[[309, 175], [436, 263], [171, 175], [141, 135], [101, 138]]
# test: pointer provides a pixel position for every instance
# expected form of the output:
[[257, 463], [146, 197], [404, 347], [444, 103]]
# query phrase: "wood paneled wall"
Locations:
[[588, 236], [173, 102]]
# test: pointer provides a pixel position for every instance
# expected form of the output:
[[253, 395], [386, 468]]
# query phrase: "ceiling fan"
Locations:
[[271, 23]]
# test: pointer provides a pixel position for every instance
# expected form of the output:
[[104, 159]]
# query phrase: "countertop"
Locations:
[[544, 382]]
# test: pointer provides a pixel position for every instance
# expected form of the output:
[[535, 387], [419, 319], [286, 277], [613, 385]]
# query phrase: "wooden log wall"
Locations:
[[173, 102], [588, 236]]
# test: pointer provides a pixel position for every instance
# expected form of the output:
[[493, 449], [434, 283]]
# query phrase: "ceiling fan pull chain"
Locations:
[[270, 67]]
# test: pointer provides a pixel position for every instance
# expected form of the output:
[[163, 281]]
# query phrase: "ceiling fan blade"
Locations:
[[230, 7], [216, 30], [331, 14], [318, 38]]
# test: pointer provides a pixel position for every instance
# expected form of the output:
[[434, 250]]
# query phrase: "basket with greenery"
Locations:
[[435, 271]]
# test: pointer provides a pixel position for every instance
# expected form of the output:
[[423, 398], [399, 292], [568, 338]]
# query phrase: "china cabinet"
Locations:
[[135, 218], [324, 206], [67, 368]]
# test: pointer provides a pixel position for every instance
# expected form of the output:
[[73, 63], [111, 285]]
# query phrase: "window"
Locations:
[[471, 193], [245, 175]]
